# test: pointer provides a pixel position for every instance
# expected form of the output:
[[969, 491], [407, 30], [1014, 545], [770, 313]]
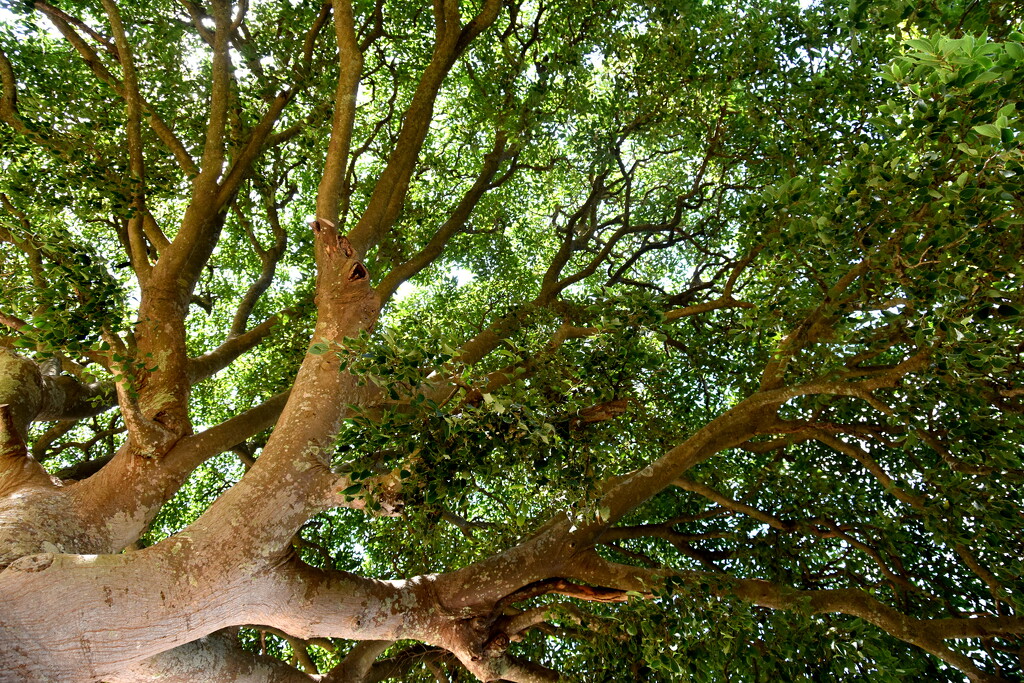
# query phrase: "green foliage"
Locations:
[[665, 142]]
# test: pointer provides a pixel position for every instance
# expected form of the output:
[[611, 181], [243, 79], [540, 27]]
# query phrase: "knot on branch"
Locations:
[[341, 275], [330, 240]]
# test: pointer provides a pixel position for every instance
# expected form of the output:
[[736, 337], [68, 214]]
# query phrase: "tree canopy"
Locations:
[[368, 340]]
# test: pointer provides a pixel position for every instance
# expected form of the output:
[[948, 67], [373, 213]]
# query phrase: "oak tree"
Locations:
[[610, 340]]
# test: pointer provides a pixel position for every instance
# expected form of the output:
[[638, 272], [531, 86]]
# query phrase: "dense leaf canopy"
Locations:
[[731, 291]]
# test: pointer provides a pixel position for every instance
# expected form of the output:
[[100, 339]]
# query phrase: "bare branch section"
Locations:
[[358, 663], [220, 96], [17, 468], [35, 396], [216, 360], [269, 258], [299, 450], [12, 321], [132, 491], [281, 598], [217, 658]]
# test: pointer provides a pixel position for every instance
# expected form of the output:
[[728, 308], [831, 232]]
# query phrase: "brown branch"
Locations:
[[915, 501], [389, 193], [314, 117], [269, 259], [358, 662], [241, 167], [350, 58], [64, 22], [456, 221], [502, 377], [45, 440], [27, 244], [193, 450], [220, 96], [861, 456], [138, 252], [9, 111], [928, 634], [12, 321], [217, 657], [730, 504], [36, 396], [562, 587], [753, 416], [18, 469], [550, 282], [810, 328], [214, 361], [724, 302]]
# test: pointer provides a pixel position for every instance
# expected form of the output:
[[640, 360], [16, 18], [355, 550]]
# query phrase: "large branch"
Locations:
[[171, 594], [358, 663], [18, 469], [118, 502], [389, 193], [288, 481], [220, 98], [35, 396]]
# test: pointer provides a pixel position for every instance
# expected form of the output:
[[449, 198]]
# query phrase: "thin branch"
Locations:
[[216, 360], [456, 221], [64, 22], [136, 161], [350, 58]]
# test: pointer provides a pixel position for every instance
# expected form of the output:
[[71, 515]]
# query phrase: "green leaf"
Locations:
[[920, 44], [986, 77]]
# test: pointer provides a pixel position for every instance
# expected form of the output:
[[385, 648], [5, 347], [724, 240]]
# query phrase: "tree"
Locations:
[[511, 340]]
